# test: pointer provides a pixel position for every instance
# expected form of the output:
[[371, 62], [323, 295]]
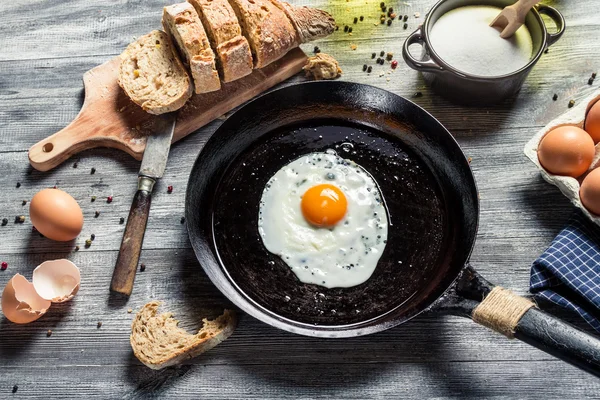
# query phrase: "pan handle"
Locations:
[[517, 317]]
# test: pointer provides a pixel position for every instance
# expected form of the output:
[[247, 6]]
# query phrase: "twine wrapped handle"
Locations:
[[501, 310]]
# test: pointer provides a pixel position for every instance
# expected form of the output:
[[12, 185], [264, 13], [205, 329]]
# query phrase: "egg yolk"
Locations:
[[324, 205]]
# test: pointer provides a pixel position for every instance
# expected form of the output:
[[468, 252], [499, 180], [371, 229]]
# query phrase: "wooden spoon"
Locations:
[[512, 17]]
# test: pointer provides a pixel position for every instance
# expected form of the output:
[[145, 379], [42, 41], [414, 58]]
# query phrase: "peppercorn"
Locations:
[[590, 81], [405, 18], [571, 103], [170, 189], [382, 4], [93, 236], [49, 333], [345, 28], [337, 28], [93, 198], [54, 187], [18, 185], [75, 165], [418, 94], [389, 22], [593, 75], [24, 202], [361, 18], [405, 25], [15, 388], [316, 49], [381, 53], [76, 248], [96, 214], [20, 219], [394, 64], [391, 10], [93, 171], [547, 50], [384, 8], [88, 243], [382, 20], [364, 67], [350, 30], [109, 199], [555, 97], [389, 56], [369, 69], [373, 55], [142, 267], [4, 221], [182, 220], [121, 220], [99, 325], [3, 265], [355, 20]]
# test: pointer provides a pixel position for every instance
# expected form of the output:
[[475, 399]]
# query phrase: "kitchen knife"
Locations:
[[153, 167]]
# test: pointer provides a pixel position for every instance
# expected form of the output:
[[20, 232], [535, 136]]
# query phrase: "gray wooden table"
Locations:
[[46, 46]]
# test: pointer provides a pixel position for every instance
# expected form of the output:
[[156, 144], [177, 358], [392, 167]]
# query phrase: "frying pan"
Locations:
[[432, 204]]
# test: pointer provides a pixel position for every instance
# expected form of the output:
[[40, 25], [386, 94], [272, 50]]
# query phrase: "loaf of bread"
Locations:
[[268, 30], [234, 58], [182, 23], [152, 75], [158, 342]]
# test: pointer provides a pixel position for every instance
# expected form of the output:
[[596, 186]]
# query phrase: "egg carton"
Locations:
[[568, 186]]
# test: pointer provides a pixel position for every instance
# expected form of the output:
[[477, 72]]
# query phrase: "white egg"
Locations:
[[342, 255]]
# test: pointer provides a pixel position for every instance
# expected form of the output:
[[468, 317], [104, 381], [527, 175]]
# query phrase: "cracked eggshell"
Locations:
[[21, 303], [56, 280]]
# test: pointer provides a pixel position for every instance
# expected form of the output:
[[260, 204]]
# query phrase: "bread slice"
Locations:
[[310, 23], [158, 342], [152, 75], [268, 30], [182, 23], [234, 59]]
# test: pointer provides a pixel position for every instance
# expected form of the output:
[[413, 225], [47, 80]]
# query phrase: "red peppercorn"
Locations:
[[170, 189], [394, 64], [109, 199], [4, 265]]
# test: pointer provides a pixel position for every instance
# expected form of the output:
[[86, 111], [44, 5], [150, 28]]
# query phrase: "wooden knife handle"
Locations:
[[133, 237]]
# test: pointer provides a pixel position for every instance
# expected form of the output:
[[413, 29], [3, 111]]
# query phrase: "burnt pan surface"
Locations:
[[423, 177]]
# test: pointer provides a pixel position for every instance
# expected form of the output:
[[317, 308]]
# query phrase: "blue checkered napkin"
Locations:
[[568, 272]]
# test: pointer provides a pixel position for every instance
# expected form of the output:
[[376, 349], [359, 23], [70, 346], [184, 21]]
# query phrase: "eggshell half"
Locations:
[[21, 304], [56, 280]]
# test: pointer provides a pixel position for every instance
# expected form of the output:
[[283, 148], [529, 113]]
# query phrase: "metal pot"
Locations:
[[472, 89]]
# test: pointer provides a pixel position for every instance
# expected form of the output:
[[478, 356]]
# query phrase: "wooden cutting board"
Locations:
[[109, 119]]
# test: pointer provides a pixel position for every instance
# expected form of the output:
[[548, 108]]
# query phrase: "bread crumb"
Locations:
[[417, 14], [129, 311], [322, 66], [353, 46]]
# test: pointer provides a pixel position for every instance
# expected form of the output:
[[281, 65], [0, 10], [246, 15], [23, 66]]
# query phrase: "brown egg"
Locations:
[[56, 215], [566, 150], [592, 122], [590, 191]]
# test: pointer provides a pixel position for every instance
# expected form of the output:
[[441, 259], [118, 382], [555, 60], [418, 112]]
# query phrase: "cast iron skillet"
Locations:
[[432, 205]]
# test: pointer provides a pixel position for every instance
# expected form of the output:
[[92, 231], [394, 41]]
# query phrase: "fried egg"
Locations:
[[325, 217]]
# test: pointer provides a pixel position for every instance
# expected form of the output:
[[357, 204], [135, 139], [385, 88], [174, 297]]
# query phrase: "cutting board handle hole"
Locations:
[[48, 147]]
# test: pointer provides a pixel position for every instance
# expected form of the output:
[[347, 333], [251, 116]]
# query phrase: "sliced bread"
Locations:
[[152, 75], [310, 23], [234, 59], [182, 23], [268, 30], [158, 342]]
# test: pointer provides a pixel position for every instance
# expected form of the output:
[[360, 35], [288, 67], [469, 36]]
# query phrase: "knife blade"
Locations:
[[153, 167]]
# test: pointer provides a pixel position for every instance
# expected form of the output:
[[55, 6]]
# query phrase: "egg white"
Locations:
[[342, 256]]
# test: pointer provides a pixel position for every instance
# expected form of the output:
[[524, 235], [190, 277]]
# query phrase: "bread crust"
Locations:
[[152, 75], [158, 342], [234, 59], [268, 30], [310, 23], [182, 23]]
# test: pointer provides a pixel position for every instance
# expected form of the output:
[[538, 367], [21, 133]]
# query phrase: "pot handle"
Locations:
[[558, 19], [517, 317], [420, 65]]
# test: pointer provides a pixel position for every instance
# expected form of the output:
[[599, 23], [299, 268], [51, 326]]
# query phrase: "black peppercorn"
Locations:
[[369, 69], [345, 28], [355, 20], [593, 75], [590, 81], [93, 198], [547, 50], [24, 202], [121, 220], [382, 21], [74, 165], [389, 22], [405, 18], [337, 28], [381, 53], [142, 267], [15, 388], [18, 185], [555, 97], [373, 55], [383, 9], [182, 220], [362, 18], [93, 171], [405, 25], [316, 49], [382, 4], [418, 94], [99, 325], [364, 67], [97, 214], [93, 236], [350, 30], [4, 221]]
